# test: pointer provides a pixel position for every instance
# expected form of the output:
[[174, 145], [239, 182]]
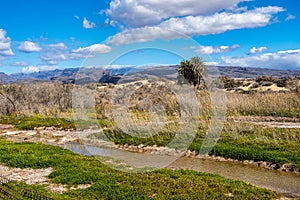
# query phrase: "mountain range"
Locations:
[[95, 74]]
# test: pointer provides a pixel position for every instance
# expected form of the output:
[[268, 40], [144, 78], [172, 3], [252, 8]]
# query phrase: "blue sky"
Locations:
[[49, 34]]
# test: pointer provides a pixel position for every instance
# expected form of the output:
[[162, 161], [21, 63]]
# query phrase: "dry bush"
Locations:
[[283, 104], [39, 98], [53, 98]]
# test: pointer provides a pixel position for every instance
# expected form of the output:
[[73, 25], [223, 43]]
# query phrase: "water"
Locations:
[[282, 182], [285, 183]]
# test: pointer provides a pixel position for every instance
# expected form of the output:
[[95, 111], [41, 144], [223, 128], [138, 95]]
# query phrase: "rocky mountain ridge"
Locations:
[[95, 74]]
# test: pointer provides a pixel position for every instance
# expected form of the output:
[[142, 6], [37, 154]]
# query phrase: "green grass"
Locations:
[[29, 123], [19, 190], [22, 122], [118, 137], [72, 169], [239, 141]]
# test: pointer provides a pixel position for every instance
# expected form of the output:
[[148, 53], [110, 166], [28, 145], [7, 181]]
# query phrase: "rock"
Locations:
[[140, 150], [41, 128], [222, 159], [262, 164], [287, 167], [274, 166], [246, 162], [50, 128], [171, 152]]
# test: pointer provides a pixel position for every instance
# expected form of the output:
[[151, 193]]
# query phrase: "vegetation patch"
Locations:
[[241, 141], [72, 169], [29, 123]]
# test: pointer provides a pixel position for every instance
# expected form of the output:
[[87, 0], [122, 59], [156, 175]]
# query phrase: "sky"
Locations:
[[43, 35]]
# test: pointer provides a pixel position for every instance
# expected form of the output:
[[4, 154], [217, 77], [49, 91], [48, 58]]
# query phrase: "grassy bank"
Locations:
[[72, 169], [241, 141], [23, 122], [245, 141]]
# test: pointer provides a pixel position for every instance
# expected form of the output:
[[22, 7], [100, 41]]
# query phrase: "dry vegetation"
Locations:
[[42, 98], [23, 105], [53, 99], [264, 104]]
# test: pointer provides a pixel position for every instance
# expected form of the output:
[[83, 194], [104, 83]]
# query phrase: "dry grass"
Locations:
[[53, 99], [264, 104]]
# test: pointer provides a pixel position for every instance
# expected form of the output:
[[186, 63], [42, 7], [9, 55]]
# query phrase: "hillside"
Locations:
[[95, 74]]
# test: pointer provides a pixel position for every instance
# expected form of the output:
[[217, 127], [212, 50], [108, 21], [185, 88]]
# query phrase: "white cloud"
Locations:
[[140, 13], [5, 45], [216, 49], [32, 69], [87, 24], [290, 17], [20, 63], [199, 25], [29, 47], [288, 59], [60, 46], [93, 49], [211, 63], [59, 52], [289, 51], [255, 50]]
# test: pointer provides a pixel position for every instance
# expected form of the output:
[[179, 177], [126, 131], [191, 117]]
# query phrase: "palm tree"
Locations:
[[192, 70]]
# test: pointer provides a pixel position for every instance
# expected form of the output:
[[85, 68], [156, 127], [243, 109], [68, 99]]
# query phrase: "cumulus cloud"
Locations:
[[55, 52], [199, 25], [32, 69], [93, 49], [59, 52], [29, 47], [20, 63], [216, 49], [290, 17], [211, 63], [5, 45], [255, 50], [140, 13], [87, 24], [288, 59], [60, 46]]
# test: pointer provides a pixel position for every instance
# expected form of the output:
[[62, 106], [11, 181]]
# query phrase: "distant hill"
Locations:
[[4, 78], [95, 74], [251, 72]]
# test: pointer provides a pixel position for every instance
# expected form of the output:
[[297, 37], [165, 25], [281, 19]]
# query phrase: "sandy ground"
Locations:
[[35, 176], [29, 176]]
